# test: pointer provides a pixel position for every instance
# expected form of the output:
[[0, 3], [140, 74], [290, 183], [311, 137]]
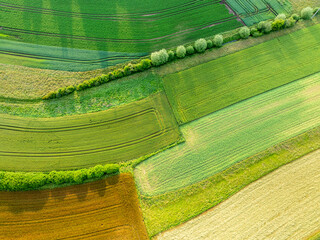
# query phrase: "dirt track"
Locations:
[[283, 205]]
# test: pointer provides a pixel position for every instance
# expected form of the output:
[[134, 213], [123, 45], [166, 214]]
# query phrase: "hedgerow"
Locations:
[[161, 57], [18, 181]]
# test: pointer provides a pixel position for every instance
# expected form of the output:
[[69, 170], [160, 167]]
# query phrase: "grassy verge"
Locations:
[[169, 210], [116, 93]]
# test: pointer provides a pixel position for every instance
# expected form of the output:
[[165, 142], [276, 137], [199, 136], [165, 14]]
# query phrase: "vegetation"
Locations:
[[306, 13], [181, 51], [160, 57], [169, 210], [218, 40], [244, 32], [253, 75], [212, 143], [105, 209], [200, 45], [21, 181], [72, 142]]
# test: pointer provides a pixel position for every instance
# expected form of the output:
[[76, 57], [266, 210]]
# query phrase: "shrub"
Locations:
[[118, 73], [127, 70], [160, 57], [70, 89], [278, 24], [253, 30], [139, 67], [146, 63], [295, 17], [209, 44], [281, 16], [200, 45], [257, 34], [172, 55], [190, 50], [218, 40], [289, 22], [181, 51], [244, 32], [316, 10], [264, 26], [306, 13]]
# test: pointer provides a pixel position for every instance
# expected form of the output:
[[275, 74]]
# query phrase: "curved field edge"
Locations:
[[105, 209], [169, 210], [119, 134], [282, 205], [108, 96]]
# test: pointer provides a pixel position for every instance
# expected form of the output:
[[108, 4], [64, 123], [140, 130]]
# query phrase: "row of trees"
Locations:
[[127, 70], [163, 56], [17, 181]]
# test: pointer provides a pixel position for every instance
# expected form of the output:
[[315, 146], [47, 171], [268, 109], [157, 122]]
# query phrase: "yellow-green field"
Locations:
[[281, 205], [116, 135]]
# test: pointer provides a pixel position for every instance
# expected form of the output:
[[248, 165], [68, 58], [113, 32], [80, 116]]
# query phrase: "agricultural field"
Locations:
[[252, 12], [117, 135], [105, 209], [118, 28], [217, 141], [206, 88], [59, 58], [281, 205]]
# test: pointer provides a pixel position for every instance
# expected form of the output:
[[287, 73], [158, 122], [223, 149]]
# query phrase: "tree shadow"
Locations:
[[28, 201]]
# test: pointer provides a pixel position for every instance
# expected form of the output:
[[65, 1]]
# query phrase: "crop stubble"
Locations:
[[105, 209]]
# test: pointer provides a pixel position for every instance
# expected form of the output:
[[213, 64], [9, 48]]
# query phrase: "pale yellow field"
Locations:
[[282, 205]]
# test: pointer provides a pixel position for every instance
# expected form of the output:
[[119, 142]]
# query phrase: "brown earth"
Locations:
[[105, 209]]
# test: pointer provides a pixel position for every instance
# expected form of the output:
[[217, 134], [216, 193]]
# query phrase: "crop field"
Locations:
[[59, 58], [209, 87], [252, 12], [115, 26], [217, 141], [119, 134], [281, 205], [105, 209]]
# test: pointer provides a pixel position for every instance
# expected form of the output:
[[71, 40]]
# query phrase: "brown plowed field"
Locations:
[[105, 209]]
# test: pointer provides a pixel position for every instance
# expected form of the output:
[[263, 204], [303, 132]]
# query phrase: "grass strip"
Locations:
[[168, 210]]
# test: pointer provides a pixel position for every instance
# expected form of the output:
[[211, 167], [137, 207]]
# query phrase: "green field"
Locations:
[[252, 12], [117, 135], [209, 87], [217, 141], [114, 26], [59, 58]]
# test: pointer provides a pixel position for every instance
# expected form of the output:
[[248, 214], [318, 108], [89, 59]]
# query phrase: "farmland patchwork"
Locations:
[[217, 141]]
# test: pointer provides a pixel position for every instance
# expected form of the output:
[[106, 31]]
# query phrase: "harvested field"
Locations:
[[105, 209], [114, 26], [209, 87], [217, 141], [119, 134], [281, 205]]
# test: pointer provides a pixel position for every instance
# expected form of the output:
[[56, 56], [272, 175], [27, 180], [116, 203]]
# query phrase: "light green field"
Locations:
[[209, 87], [114, 26], [217, 141], [117, 135]]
